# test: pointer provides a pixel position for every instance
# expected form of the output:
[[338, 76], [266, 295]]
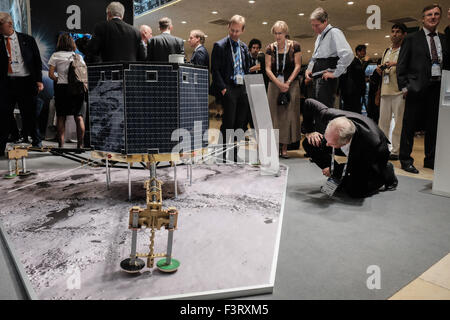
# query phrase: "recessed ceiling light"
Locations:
[[214, 12], [387, 36], [301, 14], [366, 44], [309, 50], [251, 1], [183, 22], [264, 22], [375, 54], [350, 3], [206, 36]]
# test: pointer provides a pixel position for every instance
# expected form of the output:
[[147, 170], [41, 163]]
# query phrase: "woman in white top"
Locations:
[[66, 104]]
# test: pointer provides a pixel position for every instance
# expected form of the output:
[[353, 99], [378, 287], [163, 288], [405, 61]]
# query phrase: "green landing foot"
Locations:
[[169, 268], [10, 176]]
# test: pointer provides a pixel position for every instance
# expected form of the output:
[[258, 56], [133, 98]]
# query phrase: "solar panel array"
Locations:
[[136, 107]]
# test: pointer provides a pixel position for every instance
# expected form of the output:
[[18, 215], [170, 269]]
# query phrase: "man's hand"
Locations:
[[326, 172], [223, 91], [255, 68], [308, 75], [390, 64], [40, 86], [314, 138], [327, 75]]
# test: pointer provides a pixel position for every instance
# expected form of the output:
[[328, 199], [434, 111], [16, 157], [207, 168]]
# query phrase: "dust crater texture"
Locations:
[[71, 232]]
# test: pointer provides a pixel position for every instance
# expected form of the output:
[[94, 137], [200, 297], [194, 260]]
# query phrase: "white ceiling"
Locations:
[[351, 19]]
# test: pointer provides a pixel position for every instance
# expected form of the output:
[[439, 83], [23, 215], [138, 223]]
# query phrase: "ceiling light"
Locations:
[[183, 22], [264, 22], [309, 50], [366, 44], [350, 3], [301, 14], [387, 36], [214, 12], [251, 1], [375, 54]]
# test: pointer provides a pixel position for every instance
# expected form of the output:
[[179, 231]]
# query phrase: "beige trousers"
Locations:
[[392, 105]]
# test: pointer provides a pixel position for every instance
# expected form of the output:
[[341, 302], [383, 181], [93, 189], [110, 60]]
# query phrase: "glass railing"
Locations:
[[142, 6]]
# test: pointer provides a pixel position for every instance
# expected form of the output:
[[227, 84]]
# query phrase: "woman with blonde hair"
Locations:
[[283, 63]]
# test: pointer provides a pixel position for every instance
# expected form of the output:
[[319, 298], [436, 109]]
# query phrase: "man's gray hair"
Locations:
[[115, 9], [319, 14], [345, 128], [5, 17]]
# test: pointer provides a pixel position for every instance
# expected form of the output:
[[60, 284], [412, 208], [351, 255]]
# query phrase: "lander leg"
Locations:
[[133, 264]]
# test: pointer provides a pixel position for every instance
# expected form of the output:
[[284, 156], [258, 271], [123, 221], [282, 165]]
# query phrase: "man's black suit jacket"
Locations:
[[200, 57], [115, 40], [369, 151], [30, 55], [353, 82], [414, 61], [222, 65], [160, 47]]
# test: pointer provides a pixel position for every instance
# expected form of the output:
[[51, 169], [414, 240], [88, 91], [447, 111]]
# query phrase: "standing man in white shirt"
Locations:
[[422, 57], [332, 55], [20, 80], [392, 102]]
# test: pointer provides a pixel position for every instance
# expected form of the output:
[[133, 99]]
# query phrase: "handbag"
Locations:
[[284, 98]]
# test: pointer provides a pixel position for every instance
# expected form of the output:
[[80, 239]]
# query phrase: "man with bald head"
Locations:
[[352, 135], [146, 35]]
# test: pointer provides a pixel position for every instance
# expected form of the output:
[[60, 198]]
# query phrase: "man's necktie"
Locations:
[[236, 60], [8, 47], [434, 54]]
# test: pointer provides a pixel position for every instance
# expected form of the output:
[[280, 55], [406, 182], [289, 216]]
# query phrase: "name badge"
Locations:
[[436, 70], [239, 79], [281, 79], [330, 187], [386, 79]]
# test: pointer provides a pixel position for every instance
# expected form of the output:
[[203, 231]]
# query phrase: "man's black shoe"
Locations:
[[410, 168], [393, 157], [392, 186], [37, 144]]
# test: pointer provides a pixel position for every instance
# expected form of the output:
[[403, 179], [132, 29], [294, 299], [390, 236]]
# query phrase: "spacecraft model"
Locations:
[[17, 153], [153, 217]]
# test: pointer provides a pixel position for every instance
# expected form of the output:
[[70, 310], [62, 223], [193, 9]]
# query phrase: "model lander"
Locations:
[[153, 217]]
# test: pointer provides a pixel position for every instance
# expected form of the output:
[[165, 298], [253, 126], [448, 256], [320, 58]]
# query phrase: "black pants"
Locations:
[[352, 102], [325, 91], [23, 92], [421, 109], [235, 110]]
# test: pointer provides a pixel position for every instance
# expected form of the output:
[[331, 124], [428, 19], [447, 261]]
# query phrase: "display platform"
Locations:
[[70, 233]]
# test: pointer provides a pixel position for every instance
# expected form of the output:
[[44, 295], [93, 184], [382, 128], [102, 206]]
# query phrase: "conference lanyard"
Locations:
[[332, 165], [284, 57], [234, 56], [320, 41]]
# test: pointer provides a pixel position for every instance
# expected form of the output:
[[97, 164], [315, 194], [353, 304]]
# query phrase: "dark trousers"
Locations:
[[23, 92], [352, 102], [420, 107], [325, 91], [235, 110]]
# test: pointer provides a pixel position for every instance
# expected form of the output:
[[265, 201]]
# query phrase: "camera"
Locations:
[[383, 67]]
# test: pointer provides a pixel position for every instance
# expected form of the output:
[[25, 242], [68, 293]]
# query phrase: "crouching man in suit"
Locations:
[[355, 136]]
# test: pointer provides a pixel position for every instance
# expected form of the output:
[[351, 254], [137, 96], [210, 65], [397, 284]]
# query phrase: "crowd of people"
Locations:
[[405, 85]]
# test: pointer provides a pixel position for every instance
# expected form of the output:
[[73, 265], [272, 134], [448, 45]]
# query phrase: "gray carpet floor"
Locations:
[[328, 245]]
